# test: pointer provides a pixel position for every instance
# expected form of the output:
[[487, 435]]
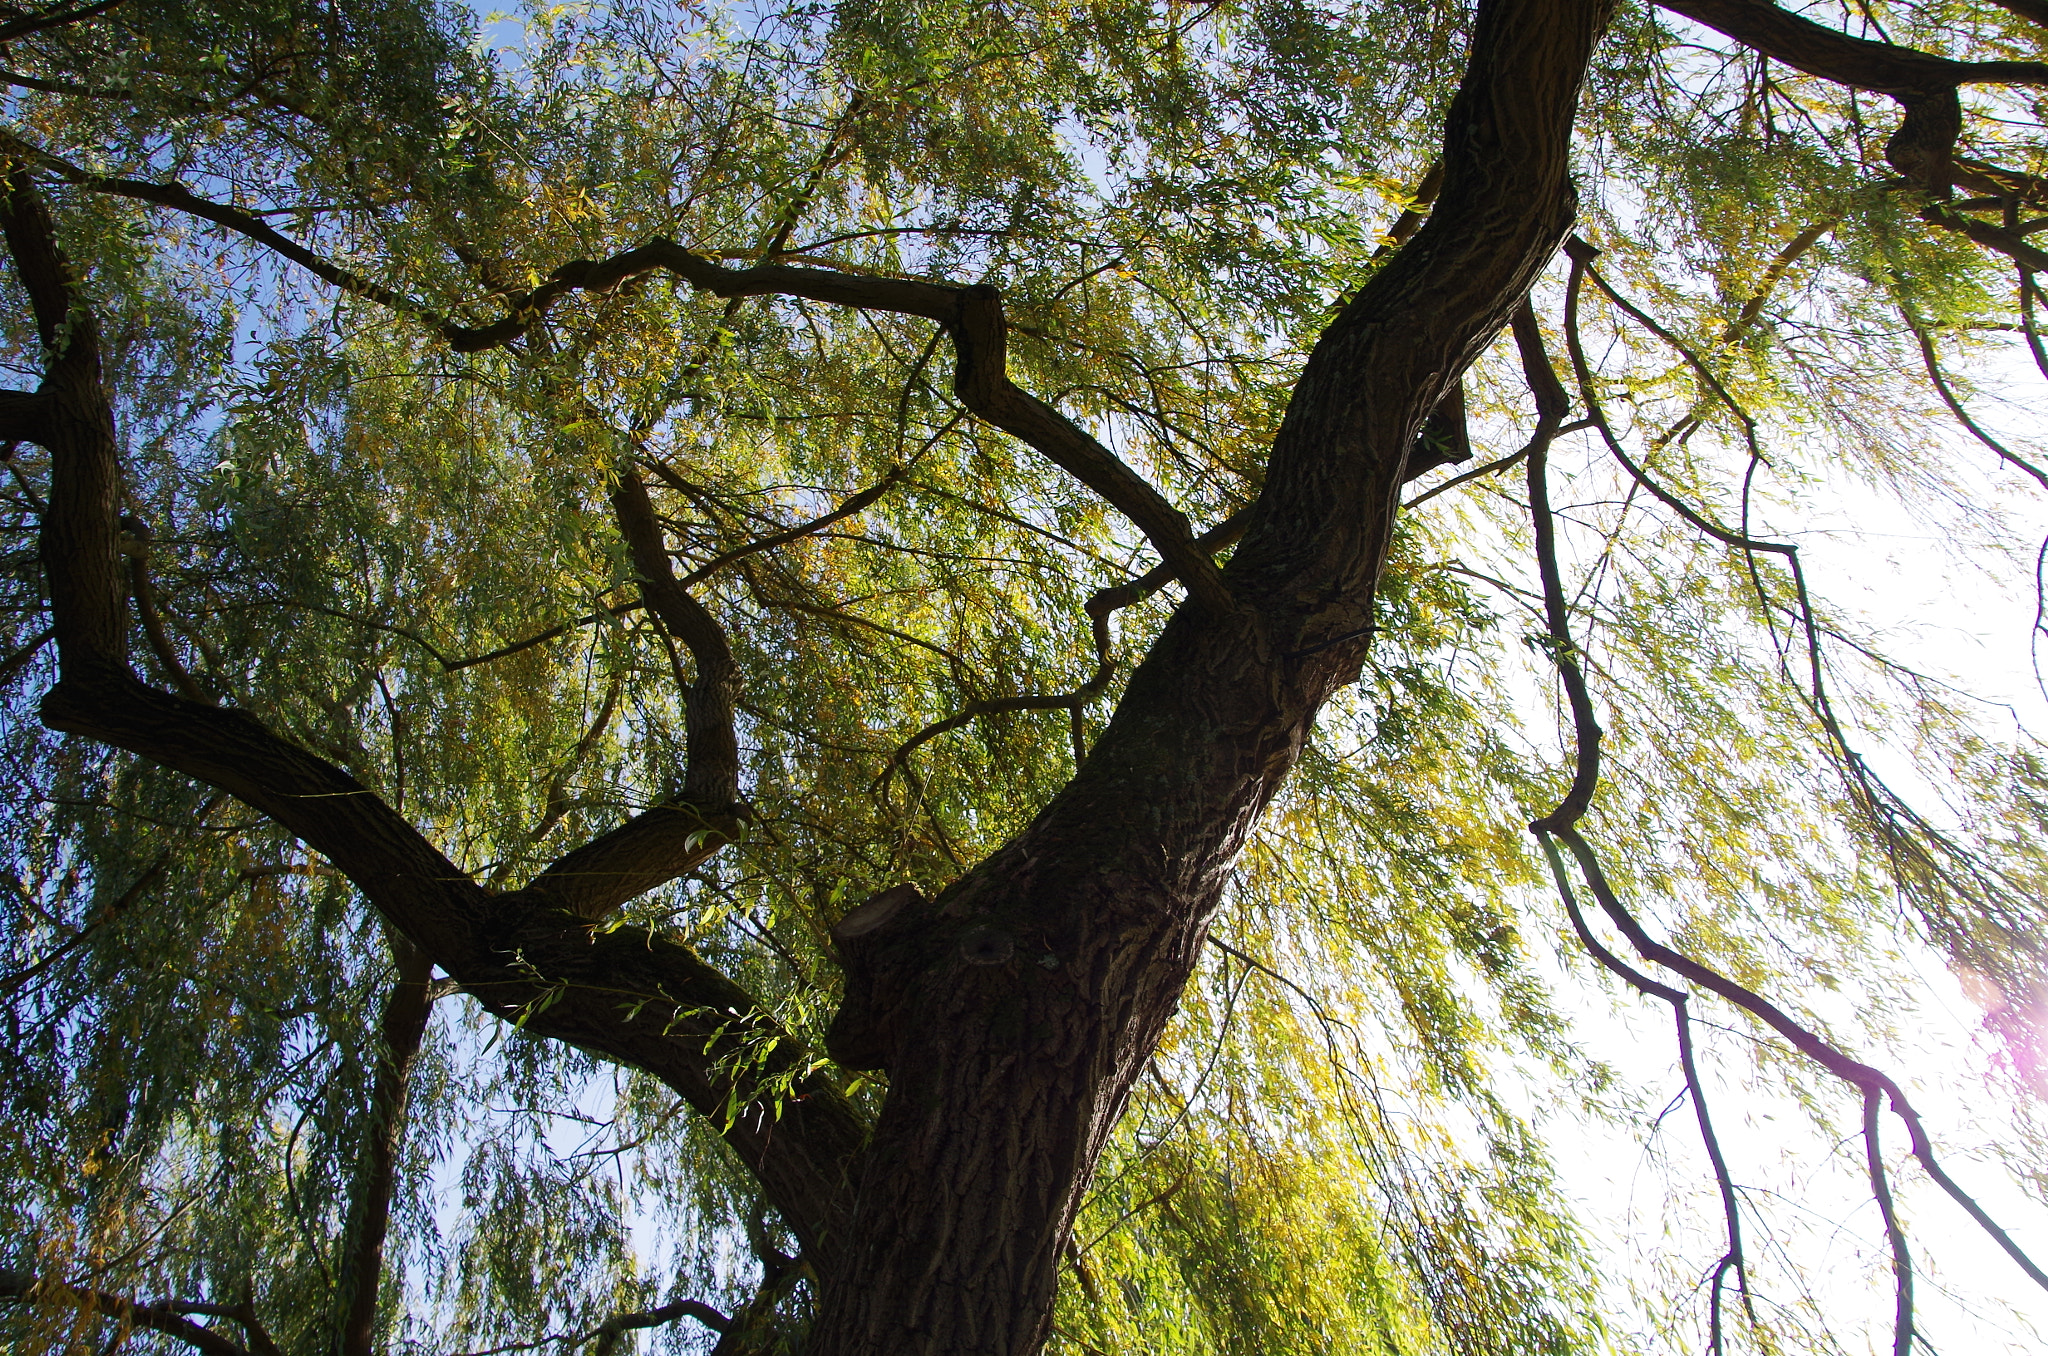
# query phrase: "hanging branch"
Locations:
[[1562, 822], [1903, 832], [1955, 404], [1551, 406], [1902, 1259]]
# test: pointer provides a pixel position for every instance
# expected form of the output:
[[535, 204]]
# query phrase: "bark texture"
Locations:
[[1014, 1011]]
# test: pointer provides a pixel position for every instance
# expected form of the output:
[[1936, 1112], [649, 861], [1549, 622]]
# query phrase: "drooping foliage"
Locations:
[[399, 550]]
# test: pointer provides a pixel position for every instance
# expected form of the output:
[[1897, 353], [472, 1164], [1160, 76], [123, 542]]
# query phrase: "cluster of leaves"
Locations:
[[404, 557]]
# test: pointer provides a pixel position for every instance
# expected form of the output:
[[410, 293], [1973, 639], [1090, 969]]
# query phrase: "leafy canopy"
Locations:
[[403, 556]]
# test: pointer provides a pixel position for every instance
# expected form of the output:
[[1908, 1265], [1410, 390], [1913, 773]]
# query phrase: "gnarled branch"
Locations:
[[626, 995], [972, 315], [1922, 83]]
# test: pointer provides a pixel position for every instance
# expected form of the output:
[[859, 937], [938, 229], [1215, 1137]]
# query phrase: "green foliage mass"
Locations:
[[1345, 1144]]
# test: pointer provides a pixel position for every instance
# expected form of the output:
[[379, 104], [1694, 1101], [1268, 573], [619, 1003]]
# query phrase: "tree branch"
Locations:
[[52, 18], [2033, 11], [1895, 1233], [1816, 49], [136, 542], [403, 1026], [612, 1329], [846, 508], [711, 774], [626, 995], [1922, 83], [163, 1316], [245, 224], [1932, 362], [21, 416], [972, 315], [982, 382]]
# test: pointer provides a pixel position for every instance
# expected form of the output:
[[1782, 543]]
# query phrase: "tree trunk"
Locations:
[[1014, 1011], [404, 1025]]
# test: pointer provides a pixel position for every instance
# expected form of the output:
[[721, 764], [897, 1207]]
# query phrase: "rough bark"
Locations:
[[1014, 1010]]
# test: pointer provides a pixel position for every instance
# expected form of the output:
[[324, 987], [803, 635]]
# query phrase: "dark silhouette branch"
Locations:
[[1415, 212], [1794, 250], [1881, 67], [558, 803], [1079, 698], [401, 1029], [53, 17], [626, 994], [846, 508], [245, 224], [164, 1316], [608, 1334], [982, 382], [1923, 84], [2011, 244], [542, 638], [1955, 405], [22, 416], [1895, 1234], [1995, 181], [1561, 823]]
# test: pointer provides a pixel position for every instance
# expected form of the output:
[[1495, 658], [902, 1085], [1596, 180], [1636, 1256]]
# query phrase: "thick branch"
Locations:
[[523, 955], [403, 1027], [162, 1316], [21, 416], [80, 557], [973, 315], [981, 380], [613, 1329], [2033, 11], [1924, 84], [711, 776], [54, 17], [136, 541], [1816, 49], [2011, 244]]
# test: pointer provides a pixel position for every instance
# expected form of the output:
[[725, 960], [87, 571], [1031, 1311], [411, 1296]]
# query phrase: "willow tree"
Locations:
[[777, 678]]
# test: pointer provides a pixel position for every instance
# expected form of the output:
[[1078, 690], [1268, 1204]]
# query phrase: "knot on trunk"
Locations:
[[879, 955], [1923, 149], [1444, 440]]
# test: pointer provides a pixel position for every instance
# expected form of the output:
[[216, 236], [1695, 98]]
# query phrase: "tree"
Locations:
[[497, 522]]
